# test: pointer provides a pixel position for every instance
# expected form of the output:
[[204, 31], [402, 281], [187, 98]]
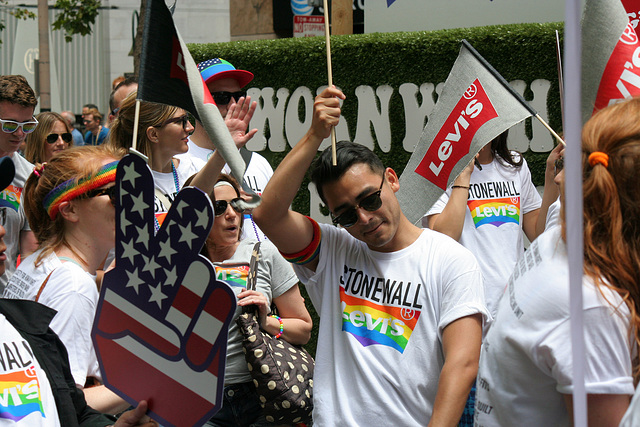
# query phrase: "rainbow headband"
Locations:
[[73, 188]]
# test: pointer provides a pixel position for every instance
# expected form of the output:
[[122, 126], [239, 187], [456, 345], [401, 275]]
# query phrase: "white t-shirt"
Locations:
[[257, 175], [553, 215], [632, 416], [274, 277], [382, 315], [73, 293], [26, 399], [526, 361], [12, 215], [499, 196], [166, 182]]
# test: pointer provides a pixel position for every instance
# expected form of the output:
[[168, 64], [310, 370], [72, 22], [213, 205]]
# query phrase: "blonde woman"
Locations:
[[51, 136]]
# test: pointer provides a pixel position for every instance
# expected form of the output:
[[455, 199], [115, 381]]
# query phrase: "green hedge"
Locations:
[[523, 51]]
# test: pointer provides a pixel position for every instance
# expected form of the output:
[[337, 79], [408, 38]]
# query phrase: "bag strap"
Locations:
[[253, 267], [43, 285], [252, 276], [163, 199]]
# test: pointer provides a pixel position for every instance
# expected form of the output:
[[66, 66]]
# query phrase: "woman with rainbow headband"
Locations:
[[526, 364], [276, 282], [70, 204]]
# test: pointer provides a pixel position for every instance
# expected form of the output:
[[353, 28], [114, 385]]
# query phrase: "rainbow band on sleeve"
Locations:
[[309, 253], [73, 188]]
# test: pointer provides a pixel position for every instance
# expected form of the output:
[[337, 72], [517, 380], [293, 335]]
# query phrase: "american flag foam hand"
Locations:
[[161, 326]]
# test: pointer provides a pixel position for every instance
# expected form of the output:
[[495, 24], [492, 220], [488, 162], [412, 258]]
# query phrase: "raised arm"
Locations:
[[451, 220], [290, 231], [551, 190]]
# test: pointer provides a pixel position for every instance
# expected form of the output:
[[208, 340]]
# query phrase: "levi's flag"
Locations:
[[476, 105], [169, 75], [610, 56]]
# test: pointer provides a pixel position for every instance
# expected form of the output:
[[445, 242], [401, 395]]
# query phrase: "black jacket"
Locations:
[[31, 320]]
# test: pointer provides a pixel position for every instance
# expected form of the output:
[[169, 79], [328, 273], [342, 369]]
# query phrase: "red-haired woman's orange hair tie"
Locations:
[[598, 157]]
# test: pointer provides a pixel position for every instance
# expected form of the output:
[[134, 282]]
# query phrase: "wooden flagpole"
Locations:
[[330, 75]]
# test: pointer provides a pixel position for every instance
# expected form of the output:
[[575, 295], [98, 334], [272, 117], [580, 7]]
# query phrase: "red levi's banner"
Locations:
[[453, 140], [633, 11], [610, 55], [621, 77], [476, 105]]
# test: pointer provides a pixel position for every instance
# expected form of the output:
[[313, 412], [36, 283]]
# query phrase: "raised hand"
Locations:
[[162, 322], [238, 116]]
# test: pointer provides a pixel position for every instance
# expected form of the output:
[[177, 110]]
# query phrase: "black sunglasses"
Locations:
[[110, 191], [223, 98], [183, 120], [53, 137], [220, 206], [350, 216]]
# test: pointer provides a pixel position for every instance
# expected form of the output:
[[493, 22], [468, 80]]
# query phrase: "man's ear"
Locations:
[[152, 134], [68, 211], [392, 179]]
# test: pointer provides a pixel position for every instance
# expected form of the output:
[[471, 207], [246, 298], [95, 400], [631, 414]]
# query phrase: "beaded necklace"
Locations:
[[176, 182]]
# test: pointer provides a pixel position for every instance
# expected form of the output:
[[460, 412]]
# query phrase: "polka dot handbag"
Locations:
[[281, 372]]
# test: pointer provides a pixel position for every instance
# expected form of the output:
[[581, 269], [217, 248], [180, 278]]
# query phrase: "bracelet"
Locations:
[[460, 186], [281, 325]]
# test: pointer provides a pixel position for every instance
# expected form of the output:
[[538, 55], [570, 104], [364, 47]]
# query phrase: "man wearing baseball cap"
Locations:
[[17, 104], [226, 84]]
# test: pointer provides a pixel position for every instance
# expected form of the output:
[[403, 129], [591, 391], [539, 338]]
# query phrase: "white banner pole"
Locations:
[[573, 200]]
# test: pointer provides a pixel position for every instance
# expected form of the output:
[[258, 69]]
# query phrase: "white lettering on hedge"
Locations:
[[288, 117]]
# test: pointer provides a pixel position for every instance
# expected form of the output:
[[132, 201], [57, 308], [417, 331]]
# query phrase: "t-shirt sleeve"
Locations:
[[439, 205], [462, 290], [274, 271], [531, 199], [73, 321], [607, 354]]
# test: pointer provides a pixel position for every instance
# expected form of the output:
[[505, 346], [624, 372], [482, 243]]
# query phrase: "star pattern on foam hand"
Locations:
[[186, 234], [134, 280], [166, 250], [130, 174], [139, 204], [156, 295], [203, 218], [128, 251], [143, 236], [151, 267], [172, 277]]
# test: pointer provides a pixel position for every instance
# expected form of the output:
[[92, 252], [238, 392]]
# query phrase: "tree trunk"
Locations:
[[43, 56], [137, 46]]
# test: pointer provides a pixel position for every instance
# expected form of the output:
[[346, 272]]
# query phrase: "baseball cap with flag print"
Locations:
[[217, 68]]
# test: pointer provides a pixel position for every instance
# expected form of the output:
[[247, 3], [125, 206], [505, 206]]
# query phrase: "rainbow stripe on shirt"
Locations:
[[495, 211], [377, 324], [10, 197], [234, 276], [20, 394]]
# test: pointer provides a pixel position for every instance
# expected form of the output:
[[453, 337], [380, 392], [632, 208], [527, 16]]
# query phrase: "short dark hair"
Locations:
[[347, 155], [126, 82], [16, 90], [90, 106]]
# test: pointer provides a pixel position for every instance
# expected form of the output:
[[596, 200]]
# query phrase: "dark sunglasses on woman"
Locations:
[[110, 191], [220, 206], [223, 98], [53, 137], [183, 120]]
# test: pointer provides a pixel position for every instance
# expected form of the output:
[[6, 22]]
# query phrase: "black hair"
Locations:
[[126, 82], [500, 151], [347, 155]]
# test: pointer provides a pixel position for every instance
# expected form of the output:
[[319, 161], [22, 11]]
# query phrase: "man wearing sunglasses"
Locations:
[[17, 104], [226, 84], [401, 308]]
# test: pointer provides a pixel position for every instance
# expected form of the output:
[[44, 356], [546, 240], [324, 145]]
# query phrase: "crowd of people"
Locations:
[[451, 324]]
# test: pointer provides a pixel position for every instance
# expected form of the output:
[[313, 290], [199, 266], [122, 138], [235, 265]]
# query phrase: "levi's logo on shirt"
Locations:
[[379, 311], [19, 387], [494, 203]]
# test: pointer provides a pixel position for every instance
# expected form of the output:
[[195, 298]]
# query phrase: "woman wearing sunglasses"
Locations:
[[51, 136], [163, 134], [69, 203], [276, 282]]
